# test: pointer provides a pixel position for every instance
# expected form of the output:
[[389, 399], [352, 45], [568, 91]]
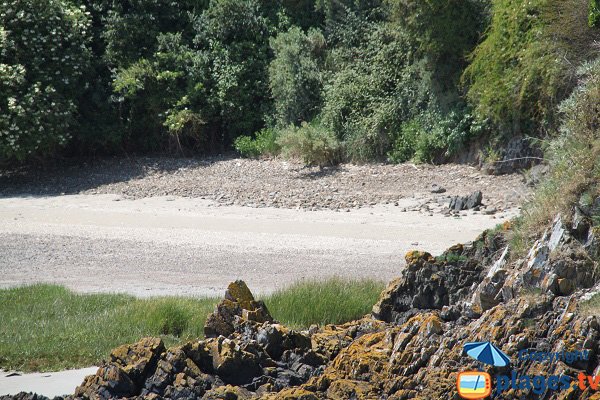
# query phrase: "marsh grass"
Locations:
[[48, 327], [334, 301]]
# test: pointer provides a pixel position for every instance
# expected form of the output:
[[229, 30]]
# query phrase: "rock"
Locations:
[[580, 225], [238, 303], [488, 293], [471, 201], [233, 364], [227, 393], [437, 189], [110, 381], [26, 396], [429, 283], [535, 174], [139, 358]]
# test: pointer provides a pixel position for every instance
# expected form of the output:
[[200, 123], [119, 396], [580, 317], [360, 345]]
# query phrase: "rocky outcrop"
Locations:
[[412, 345], [238, 304]]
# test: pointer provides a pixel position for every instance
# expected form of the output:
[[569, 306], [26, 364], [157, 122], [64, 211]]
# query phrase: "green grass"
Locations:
[[333, 301], [47, 327]]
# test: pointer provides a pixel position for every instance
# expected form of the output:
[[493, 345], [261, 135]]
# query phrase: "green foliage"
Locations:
[[594, 14], [295, 75], [312, 143], [445, 31], [370, 94], [159, 93], [525, 65], [434, 137], [235, 36], [264, 144], [131, 28], [44, 54], [574, 159]]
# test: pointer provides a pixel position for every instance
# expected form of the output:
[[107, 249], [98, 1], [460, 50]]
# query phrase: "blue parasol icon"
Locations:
[[487, 353]]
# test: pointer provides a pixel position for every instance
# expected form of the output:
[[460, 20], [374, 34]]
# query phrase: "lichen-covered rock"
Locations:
[[110, 381], [233, 363], [429, 283], [238, 304], [227, 393], [139, 358]]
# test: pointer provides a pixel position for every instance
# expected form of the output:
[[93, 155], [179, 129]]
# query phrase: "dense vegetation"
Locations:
[[47, 327], [320, 80]]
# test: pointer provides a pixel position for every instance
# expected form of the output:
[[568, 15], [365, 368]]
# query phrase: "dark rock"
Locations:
[[580, 225], [110, 381], [427, 283], [232, 363], [435, 188], [173, 362], [459, 203], [27, 396]]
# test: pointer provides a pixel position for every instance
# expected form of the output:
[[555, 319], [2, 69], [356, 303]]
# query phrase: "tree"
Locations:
[[44, 54], [295, 75]]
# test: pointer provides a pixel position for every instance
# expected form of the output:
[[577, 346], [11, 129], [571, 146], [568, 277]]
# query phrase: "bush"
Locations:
[[44, 53], [574, 159], [526, 64], [294, 75], [594, 14], [371, 94], [312, 143], [264, 144], [435, 137]]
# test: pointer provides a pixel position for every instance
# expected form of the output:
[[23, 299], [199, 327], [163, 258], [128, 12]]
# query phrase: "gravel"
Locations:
[[271, 183]]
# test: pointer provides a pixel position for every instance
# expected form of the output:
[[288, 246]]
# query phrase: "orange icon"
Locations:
[[474, 385]]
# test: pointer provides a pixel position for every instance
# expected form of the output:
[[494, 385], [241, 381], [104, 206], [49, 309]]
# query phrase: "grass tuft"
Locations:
[[335, 301], [48, 328]]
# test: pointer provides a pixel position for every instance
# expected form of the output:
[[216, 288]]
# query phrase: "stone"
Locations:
[[239, 304], [138, 358], [228, 392], [232, 363], [459, 203], [110, 381], [437, 189]]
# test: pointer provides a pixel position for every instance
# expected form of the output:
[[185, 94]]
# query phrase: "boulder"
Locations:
[[471, 201], [238, 304], [139, 358], [110, 381]]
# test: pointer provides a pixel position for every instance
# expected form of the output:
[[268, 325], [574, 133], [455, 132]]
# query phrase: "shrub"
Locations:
[[264, 144], [233, 36], [371, 93], [435, 137], [574, 159], [157, 94], [44, 53], [312, 143], [526, 64], [594, 13], [294, 75]]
